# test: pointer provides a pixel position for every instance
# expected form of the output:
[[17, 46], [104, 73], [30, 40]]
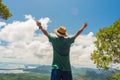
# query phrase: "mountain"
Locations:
[[42, 72]]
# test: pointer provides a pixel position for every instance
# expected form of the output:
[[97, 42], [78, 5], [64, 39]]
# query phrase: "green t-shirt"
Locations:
[[61, 49]]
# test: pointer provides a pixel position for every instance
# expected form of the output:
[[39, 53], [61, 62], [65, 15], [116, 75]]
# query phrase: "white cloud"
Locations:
[[44, 22], [2, 23], [29, 17], [82, 49], [24, 45]]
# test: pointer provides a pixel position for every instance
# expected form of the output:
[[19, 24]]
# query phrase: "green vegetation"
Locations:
[[4, 11], [80, 73], [25, 76], [107, 50]]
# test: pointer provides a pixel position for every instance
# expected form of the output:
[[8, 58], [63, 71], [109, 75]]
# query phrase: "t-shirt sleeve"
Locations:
[[72, 39], [51, 38]]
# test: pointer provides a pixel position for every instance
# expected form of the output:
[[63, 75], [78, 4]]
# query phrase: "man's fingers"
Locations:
[[38, 23], [85, 24]]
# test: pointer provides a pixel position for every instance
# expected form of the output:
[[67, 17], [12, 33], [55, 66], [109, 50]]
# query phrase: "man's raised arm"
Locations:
[[80, 30], [41, 28]]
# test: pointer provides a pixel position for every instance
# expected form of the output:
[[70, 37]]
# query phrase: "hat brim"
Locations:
[[60, 35]]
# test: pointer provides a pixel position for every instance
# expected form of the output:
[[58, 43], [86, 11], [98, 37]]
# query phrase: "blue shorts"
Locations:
[[57, 74]]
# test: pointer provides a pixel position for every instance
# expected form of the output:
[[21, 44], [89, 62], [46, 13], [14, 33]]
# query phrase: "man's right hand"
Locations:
[[42, 29], [39, 24]]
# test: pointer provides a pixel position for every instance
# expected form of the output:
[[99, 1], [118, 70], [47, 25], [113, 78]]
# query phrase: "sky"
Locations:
[[22, 42]]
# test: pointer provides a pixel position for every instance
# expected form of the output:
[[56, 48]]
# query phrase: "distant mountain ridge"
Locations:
[[46, 68], [34, 69]]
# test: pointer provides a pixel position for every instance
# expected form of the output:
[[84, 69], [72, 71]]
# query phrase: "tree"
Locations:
[[107, 45], [114, 76], [4, 11]]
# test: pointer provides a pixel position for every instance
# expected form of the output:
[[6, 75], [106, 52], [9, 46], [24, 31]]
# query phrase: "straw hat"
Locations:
[[61, 31]]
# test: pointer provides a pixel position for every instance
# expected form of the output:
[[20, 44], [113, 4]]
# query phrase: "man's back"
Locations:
[[61, 49]]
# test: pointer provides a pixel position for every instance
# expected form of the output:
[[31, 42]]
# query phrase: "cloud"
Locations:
[[82, 49], [2, 23], [24, 45], [44, 22]]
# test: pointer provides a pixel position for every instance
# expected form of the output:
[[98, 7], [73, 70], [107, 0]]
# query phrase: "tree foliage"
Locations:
[[114, 76], [107, 45], [4, 11]]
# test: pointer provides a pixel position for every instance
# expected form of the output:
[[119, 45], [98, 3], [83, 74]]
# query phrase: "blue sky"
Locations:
[[19, 42], [97, 13]]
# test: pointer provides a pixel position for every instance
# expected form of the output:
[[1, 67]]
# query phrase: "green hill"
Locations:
[[25, 76]]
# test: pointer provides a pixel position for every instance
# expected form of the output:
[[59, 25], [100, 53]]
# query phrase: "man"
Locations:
[[61, 68]]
